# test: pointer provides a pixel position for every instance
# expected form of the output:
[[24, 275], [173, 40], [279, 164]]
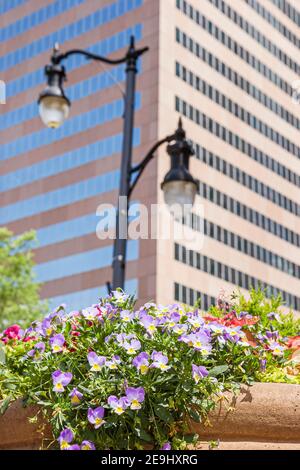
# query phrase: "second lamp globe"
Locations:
[[179, 186]]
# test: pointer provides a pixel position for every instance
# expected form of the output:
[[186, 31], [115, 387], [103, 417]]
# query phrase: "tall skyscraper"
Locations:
[[228, 68]]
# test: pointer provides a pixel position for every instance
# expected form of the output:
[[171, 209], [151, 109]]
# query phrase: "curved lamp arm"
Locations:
[[138, 169], [131, 53]]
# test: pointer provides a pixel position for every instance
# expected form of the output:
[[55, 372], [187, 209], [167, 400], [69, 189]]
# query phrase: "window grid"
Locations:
[[243, 280], [241, 244], [238, 175], [255, 34], [234, 108], [241, 210], [36, 18], [72, 159], [81, 299], [273, 21], [235, 141], [60, 197], [79, 263], [45, 136], [239, 81], [68, 32], [190, 297], [233, 46], [10, 5], [104, 47], [288, 10], [75, 92]]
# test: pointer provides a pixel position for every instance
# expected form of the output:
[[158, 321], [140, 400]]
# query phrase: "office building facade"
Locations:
[[229, 69]]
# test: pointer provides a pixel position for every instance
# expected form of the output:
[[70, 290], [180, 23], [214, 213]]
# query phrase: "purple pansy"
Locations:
[[274, 316], [118, 405], [216, 328], [160, 361], [135, 397], [172, 320], [95, 361], [141, 362], [233, 334], [113, 363], [119, 297], [65, 438], [272, 335], [127, 316], [275, 347], [87, 445], [263, 364], [37, 351], [57, 343], [90, 313], [200, 341], [122, 338], [166, 446], [149, 323], [95, 416], [180, 328], [46, 327], [196, 321], [132, 346], [76, 397], [61, 380], [199, 372]]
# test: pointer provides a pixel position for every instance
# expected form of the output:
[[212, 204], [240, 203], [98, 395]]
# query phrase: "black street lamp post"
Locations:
[[179, 186]]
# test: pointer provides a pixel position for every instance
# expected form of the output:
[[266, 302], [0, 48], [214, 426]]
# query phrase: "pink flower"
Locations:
[[13, 332]]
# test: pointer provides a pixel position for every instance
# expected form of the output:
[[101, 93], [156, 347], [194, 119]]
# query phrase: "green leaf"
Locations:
[[195, 416], [4, 404], [2, 354], [143, 435], [191, 438], [218, 370], [164, 414]]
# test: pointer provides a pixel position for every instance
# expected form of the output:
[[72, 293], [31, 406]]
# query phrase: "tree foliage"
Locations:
[[19, 292]]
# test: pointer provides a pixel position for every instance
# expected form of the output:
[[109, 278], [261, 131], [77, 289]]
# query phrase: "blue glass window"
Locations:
[[87, 297], [35, 18], [60, 197], [10, 4], [81, 156], [21, 84], [82, 122], [66, 33], [82, 262]]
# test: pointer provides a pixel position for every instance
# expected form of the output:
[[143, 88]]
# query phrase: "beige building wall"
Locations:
[[170, 271]]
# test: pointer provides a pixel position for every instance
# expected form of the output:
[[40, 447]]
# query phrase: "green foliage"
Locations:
[[260, 306], [19, 293], [199, 358]]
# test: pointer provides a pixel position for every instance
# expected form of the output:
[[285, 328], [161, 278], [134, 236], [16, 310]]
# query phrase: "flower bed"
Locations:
[[110, 376]]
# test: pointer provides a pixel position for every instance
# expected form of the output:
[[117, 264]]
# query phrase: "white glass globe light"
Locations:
[[54, 110], [180, 193]]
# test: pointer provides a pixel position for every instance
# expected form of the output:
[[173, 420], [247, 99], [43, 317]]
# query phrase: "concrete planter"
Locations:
[[265, 416], [17, 433]]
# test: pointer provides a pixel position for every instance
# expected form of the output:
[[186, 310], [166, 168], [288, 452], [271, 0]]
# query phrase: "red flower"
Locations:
[[75, 333], [294, 342], [29, 338], [213, 319], [230, 319]]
